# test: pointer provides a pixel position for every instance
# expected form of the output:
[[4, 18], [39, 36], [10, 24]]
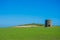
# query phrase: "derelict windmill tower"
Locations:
[[48, 23]]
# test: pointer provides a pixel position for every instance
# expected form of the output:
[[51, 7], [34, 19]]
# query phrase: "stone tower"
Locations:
[[48, 23]]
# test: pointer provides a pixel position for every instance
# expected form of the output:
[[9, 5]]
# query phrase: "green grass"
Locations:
[[39, 33]]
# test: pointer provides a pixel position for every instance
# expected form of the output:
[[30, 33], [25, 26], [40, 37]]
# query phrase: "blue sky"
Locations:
[[16, 12]]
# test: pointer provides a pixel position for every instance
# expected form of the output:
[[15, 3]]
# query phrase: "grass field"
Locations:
[[37, 33]]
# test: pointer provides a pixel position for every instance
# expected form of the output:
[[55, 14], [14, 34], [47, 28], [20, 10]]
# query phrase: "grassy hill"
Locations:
[[30, 25], [37, 33]]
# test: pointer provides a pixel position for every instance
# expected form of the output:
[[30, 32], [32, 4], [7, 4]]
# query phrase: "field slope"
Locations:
[[39, 33]]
